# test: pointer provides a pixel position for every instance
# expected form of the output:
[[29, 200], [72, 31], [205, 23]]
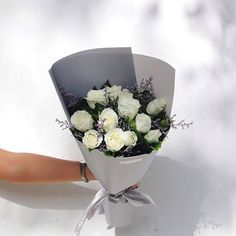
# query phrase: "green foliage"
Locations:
[[144, 94], [131, 122], [164, 123], [97, 111], [157, 146], [113, 104]]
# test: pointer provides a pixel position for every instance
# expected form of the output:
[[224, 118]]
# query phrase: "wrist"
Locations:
[[89, 174], [85, 174]]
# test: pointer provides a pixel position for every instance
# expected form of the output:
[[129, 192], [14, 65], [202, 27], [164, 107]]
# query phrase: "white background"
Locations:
[[193, 181]]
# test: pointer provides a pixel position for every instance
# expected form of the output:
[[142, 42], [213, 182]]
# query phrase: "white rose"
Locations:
[[130, 138], [128, 106], [109, 119], [143, 123], [96, 96], [82, 120], [114, 91], [153, 136], [125, 93], [114, 139], [91, 139], [155, 106]]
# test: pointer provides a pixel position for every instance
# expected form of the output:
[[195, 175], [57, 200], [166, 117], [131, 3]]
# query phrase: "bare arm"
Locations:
[[35, 168]]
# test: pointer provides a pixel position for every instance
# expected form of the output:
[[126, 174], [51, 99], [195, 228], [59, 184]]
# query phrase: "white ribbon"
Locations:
[[136, 198]]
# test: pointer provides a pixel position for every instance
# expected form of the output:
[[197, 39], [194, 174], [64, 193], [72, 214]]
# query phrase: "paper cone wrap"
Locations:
[[74, 75], [116, 174], [119, 214]]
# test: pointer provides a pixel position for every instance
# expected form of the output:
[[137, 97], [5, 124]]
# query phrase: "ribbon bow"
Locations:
[[131, 195]]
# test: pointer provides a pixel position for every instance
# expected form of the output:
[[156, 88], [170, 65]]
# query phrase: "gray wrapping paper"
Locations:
[[75, 75]]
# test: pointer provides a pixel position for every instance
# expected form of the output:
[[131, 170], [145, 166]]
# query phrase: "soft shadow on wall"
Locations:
[[183, 195], [178, 191], [65, 196]]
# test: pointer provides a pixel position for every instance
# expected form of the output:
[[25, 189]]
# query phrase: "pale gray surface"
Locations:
[[195, 186]]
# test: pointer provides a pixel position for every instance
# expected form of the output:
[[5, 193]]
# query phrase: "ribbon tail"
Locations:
[[101, 210], [137, 198], [91, 209]]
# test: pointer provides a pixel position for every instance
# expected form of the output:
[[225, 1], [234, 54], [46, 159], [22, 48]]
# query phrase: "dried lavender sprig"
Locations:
[[132, 87], [124, 125], [183, 124], [70, 99], [146, 85], [99, 127], [155, 124], [102, 147], [63, 124]]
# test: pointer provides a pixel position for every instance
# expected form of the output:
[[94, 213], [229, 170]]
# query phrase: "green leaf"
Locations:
[[97, 110], [131, 122], [109, 153], [157, 146], [165, 123]]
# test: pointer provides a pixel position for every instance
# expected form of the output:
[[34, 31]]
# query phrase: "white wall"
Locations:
[[196, 187]]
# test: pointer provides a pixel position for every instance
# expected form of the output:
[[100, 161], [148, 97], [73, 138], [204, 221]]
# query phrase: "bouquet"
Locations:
[[119, 120]]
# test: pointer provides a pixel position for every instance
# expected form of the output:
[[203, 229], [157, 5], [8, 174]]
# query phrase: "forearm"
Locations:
[[35, 168]]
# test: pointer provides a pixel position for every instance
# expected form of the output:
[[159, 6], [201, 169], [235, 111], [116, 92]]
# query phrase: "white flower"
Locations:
[[155, 106], [82, 120], [125, 93], [114, 139], [91, 139], [109, 119], [143, 123], [153, 136], [114, 91], [128, 106], [96, 96], [130, 138]]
